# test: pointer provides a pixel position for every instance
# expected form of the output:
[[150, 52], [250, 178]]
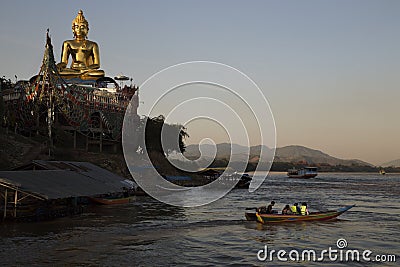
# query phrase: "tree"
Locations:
[[1, 109], [159, 134], [5, 84]]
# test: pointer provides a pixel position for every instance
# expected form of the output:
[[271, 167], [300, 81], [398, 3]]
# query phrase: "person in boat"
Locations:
[[304, 209], [270, 207], [295, 209], [286, 210], [262, 210]]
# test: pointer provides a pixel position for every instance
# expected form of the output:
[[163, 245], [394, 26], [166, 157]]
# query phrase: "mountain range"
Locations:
[[393, 163], [293, 153]]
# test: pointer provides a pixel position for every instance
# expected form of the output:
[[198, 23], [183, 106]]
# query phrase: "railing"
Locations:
[[117, 102], [110, 102]]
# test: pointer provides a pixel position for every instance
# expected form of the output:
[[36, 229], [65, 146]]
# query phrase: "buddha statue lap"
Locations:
[[84, 53]]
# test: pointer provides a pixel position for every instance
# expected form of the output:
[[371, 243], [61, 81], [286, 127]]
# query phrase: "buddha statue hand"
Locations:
[[94, 66]]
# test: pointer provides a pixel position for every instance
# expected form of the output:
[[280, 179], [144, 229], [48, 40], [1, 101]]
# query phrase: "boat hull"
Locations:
[[251, 216], [280, 218], [304, 173], [304, 176], [112, 201]]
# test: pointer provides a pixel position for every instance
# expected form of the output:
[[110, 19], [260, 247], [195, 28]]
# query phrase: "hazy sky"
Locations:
[[330, 69]]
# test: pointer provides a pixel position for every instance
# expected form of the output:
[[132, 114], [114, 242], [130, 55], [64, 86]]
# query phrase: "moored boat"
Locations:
[[244, 181], [282, 218], [111, 200], [305, 173]]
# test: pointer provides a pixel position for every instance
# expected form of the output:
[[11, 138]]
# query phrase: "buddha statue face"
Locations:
[[80, 26], [80, 31]]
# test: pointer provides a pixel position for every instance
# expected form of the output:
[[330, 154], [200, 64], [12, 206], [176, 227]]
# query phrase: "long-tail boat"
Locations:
[[283, 218]]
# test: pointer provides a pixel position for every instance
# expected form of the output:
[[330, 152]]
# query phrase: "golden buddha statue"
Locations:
[[84, 53]]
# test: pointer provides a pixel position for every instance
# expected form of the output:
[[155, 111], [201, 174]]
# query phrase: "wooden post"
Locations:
[[5, 204], [74, 139], [37, 122], [50, 121], [15, 203], [101, 136]]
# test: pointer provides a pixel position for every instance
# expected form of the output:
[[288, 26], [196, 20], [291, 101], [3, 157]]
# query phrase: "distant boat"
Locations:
[[281, 218], [242, 180], [305, 173], [382, 172]]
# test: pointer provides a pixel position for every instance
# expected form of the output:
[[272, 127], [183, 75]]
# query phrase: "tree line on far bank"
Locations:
[[285, 166]]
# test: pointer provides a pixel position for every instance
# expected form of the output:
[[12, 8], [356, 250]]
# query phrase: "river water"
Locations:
[[149, 233]]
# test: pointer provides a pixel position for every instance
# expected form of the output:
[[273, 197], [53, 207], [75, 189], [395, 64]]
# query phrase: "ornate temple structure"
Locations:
[[78, 99]]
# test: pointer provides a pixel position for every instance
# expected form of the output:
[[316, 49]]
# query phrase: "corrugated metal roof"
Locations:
[[84, 168], [53, 184]]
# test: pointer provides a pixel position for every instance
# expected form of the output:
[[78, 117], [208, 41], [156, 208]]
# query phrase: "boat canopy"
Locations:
[[311, 168]]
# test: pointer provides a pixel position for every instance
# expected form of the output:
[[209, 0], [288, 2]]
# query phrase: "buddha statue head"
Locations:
[[80, 26]]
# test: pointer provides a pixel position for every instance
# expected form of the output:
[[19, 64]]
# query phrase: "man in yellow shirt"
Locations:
[[303, 209], [295, 208]]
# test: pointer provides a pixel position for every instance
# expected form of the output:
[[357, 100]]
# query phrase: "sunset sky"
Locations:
[[329, 69]]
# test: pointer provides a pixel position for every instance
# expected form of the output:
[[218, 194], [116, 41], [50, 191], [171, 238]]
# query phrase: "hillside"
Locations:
[[312, 156], [393, 163], [292, 153], [224, 151], [16, 150]]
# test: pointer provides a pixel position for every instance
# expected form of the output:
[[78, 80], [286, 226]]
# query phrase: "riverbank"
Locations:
[[17, 150]]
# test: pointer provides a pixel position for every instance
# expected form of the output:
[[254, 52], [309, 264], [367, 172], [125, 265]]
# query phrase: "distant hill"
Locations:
[[224, 151], [393, 163], [292, 153], [312, 156]]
